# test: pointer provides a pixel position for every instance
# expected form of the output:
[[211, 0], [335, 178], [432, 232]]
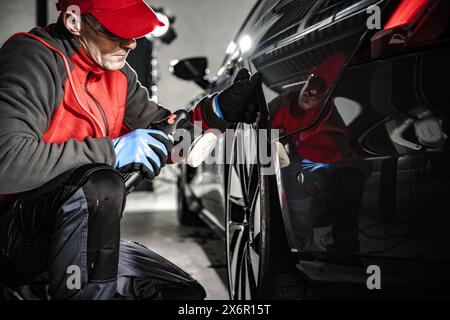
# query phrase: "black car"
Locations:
[[354, 118]]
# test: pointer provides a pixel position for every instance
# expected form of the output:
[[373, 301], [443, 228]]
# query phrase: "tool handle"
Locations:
[[177, 120], [131, 180], [173, 122]]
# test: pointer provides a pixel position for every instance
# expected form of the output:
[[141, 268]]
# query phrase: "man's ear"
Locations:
[[72, 21]]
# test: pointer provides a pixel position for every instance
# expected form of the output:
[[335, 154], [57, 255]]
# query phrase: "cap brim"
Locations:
[[135, 21]]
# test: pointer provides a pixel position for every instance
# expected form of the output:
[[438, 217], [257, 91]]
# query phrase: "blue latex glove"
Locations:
[[312, 175], [310, 166], [143, 150]]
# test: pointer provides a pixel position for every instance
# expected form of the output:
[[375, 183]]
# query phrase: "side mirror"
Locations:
[[191, 69]]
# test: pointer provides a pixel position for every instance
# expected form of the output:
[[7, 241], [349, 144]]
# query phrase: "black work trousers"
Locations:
[[66, 235]]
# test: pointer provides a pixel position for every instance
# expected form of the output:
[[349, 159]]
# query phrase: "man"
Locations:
[[71, 113]]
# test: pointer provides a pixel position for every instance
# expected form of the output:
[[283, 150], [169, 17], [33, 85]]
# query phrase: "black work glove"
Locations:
[[239, 102]]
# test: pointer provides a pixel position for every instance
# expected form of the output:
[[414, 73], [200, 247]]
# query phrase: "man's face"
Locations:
[[312, 92], [107, 50]]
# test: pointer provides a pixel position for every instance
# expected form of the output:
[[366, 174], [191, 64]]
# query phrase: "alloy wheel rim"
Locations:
[[243, 217]]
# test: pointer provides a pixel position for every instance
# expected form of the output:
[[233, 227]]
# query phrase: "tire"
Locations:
[[259, 263], [188, 215]]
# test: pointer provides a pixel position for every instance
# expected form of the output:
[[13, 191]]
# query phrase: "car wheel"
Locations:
[[258, 258], [187, 212]]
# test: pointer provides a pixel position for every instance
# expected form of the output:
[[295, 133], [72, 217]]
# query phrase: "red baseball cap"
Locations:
[[124, 18], [330, 67]]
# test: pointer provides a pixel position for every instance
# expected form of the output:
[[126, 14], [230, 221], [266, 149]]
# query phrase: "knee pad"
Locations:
[[105, 187], [105, 195]]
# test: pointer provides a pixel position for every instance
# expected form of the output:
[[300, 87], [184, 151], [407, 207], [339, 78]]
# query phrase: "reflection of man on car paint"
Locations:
[[326, 141], [312, 92], [321, 150]]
